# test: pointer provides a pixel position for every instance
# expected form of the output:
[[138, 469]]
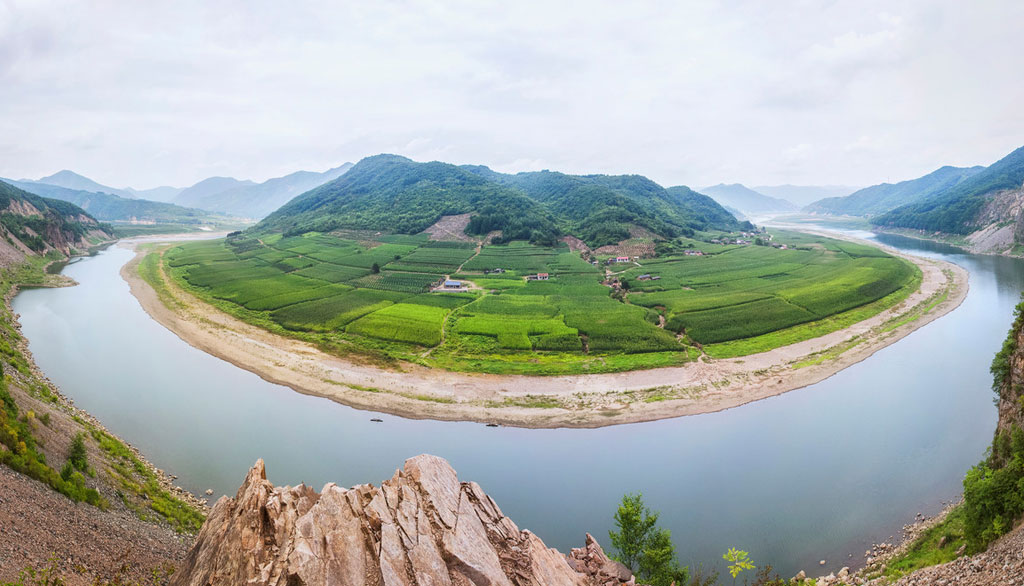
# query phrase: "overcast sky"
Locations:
[[152, 93]]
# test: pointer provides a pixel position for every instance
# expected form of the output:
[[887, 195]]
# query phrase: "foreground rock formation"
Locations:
[[421, 527]]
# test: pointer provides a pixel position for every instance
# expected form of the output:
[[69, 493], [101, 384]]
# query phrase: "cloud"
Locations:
[[687, 93]]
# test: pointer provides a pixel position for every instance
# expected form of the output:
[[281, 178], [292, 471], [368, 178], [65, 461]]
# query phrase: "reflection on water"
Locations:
[[817, 473]]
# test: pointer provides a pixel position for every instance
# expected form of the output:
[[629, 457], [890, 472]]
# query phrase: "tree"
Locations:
[[740, 561], [643, 547], [76, 454], [375, 268]]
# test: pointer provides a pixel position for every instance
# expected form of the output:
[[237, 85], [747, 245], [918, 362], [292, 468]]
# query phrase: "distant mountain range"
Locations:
[[389, 193], [802, 195], [254, 200], [109, 207], [746, 200], [222, 195], [885, 197]]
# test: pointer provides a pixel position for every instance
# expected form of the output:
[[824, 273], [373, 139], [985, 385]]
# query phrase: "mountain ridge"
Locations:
[[395, 194], [956, 210], [885, 197]]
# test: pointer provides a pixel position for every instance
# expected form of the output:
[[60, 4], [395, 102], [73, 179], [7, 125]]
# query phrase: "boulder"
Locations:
[[422, 527]]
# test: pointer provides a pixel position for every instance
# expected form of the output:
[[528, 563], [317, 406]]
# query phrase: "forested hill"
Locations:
[[600, 209], [884, 197], [389, 193], [955, 210], [30, 223]]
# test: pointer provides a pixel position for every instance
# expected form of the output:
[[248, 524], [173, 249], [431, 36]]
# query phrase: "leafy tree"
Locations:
[[643, 547], [375, 268], [76, 454]]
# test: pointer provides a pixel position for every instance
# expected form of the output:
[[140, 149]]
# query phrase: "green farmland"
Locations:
[[373, 297]]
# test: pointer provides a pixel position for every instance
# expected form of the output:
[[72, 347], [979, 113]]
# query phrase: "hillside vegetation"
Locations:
[[885, 197], [388, 193], [38, 224], [955, 210]]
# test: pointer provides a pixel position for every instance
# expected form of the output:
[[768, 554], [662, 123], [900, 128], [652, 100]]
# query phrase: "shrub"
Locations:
[[77, 456]]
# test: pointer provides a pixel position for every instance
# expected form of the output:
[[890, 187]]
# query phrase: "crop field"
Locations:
[[402, 322], [752, 290], [377, 293]]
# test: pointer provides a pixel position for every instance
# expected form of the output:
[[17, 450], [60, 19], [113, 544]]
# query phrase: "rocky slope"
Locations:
[[421, 527]]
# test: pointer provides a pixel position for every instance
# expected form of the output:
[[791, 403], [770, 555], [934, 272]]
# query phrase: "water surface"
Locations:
[[817, 473]]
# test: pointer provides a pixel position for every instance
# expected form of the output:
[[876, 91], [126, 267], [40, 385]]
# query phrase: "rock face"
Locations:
[[421, 527]]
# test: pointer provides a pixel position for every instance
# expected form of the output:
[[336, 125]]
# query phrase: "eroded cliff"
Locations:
[[421, 527]]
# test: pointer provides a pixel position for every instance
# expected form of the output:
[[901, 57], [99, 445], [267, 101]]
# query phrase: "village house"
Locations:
[[537, 277]]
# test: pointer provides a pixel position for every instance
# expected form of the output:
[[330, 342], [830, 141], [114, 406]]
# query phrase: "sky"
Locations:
[[687, 92]]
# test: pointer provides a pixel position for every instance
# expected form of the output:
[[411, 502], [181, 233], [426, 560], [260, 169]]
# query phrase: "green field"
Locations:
[[375, 296]]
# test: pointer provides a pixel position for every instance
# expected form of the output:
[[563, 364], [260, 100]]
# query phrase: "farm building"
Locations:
[[537, 277], [449, 284], [644, 278]]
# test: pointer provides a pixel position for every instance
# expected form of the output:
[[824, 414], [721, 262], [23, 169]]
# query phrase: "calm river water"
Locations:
[[818, 473]]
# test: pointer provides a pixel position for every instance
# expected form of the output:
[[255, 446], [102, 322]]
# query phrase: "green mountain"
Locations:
[[254, 200], [40, 224], [389, 193], [955, 210], [600, 209], [747, 200], [885, 197], [113, 208]]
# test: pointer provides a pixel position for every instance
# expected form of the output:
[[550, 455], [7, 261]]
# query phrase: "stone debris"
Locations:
[[421, 527]]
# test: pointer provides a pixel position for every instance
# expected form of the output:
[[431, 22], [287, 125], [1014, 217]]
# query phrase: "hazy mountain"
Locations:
[[254, 200], [114, 208], [72, 180], [802, 195], [389, 193], [163, 193], [884, 197], [957, 209], [747, 200], [197, 195]]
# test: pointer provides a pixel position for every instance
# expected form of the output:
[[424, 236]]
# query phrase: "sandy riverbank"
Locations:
[[593, 400]]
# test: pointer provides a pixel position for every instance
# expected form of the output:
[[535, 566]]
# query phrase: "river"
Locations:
[[817, 473]]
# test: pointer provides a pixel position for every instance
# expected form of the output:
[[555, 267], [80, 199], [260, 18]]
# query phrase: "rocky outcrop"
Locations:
[[1001, 221], [421, 527]]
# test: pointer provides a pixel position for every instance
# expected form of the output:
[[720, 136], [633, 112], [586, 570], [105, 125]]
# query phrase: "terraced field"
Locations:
[[376, 296]]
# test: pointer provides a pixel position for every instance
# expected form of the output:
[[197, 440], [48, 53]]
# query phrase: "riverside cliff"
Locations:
[[421, 527]]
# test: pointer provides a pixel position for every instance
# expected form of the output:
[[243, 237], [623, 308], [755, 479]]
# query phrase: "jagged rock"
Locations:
[[422, 527]]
